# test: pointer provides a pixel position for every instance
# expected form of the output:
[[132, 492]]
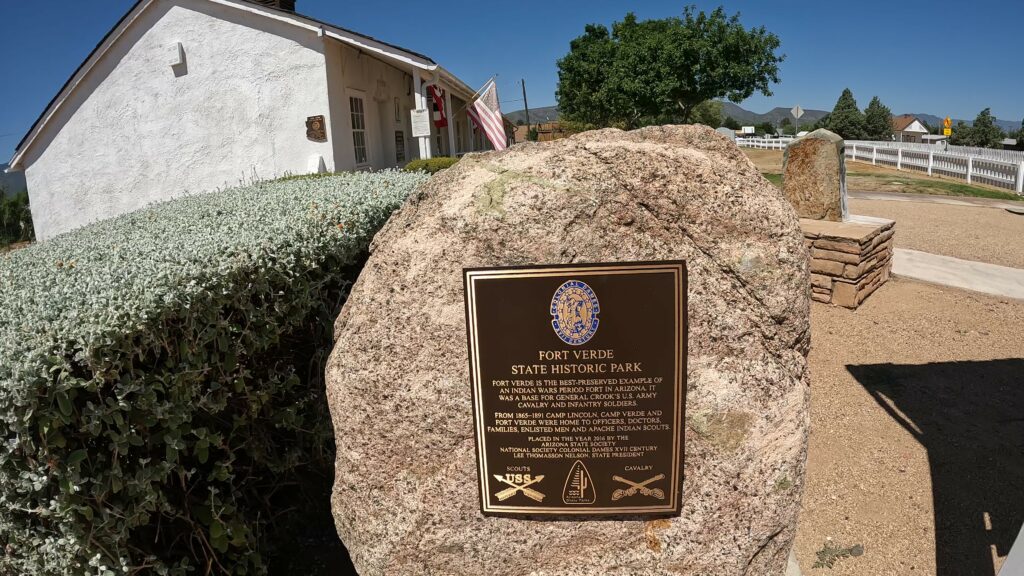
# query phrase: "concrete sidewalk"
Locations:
[[937, 199], [965, 274]]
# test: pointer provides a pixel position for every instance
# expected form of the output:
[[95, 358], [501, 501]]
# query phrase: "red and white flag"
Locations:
[[486, 115], [440, 119]]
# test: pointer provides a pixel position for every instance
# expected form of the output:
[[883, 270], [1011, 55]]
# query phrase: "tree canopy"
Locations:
[[708, 112], [983, 133], [877, 121], [657, 71], [846, 119]]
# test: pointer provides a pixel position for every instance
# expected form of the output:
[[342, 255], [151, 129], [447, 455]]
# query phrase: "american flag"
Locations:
[[486, 115]]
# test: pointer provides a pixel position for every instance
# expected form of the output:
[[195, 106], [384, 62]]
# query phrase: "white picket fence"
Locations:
[[1001, 168], [765, 143]]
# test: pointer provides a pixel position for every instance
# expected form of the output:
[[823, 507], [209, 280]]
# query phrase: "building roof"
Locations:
[[363, 42], [900, 123]]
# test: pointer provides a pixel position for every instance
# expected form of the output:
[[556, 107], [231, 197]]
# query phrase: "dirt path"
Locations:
[[989, 235], [917, 436]]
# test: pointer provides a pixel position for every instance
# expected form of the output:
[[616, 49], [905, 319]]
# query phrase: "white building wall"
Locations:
[[354, 74], [137, 131]]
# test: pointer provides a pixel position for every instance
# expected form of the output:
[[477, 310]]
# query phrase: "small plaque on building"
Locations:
[[316, 129], [421, 123], [578, 378]]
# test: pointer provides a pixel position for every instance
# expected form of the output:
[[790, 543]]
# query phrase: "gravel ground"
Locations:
[[990, 235], [917, 441]]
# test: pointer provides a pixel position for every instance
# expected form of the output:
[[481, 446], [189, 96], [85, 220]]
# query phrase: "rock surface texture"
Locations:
[[405, 498], [814, 176]]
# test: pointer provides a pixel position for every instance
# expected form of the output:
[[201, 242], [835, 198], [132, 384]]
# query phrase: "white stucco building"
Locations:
[[187, 96]]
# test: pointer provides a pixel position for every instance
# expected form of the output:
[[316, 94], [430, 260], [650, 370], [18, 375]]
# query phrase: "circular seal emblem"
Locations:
[[574, 310]]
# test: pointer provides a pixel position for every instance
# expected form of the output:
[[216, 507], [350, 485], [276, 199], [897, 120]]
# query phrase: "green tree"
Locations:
[[731, 123], [766, 128], [983, 133], [877, 121], [1019, 135], [709, 113], [846, 119], [961, 134], [645, 72]]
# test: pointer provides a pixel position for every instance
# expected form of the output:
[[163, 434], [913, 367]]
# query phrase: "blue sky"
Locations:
[[938, 57]]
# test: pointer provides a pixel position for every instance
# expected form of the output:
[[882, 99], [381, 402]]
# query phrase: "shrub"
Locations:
[[15, 218], [431, 165], [156, 379]]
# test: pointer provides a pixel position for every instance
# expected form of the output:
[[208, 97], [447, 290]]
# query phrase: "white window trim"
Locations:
[[361, 95]]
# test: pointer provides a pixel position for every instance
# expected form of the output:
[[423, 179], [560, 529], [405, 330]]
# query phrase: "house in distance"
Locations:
[[907, 128], [187, 96]]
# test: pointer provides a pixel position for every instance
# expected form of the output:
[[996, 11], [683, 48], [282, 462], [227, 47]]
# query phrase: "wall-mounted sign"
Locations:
[[578, 378], [421, 123], [316, 129]]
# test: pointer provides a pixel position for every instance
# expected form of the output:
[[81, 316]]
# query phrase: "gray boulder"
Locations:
[[405, 498]]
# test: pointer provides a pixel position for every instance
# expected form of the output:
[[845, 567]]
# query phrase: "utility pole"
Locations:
[[526, 105]]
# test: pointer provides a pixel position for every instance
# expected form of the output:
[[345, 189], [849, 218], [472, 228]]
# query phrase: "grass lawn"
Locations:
[[870, 178]]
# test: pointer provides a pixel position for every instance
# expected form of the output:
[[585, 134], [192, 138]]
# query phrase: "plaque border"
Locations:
[[678, 267]]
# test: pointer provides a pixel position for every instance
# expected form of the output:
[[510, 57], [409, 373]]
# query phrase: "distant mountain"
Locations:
[[775, 115], [11, 183], [537, 115], [748, 118]]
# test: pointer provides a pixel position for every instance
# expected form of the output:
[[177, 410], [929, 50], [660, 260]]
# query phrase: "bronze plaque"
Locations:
[[578, 378], [316, 129]]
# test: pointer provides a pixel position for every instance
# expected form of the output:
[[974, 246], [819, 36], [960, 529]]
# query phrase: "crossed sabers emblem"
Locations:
[[524, 488], [640, 487]]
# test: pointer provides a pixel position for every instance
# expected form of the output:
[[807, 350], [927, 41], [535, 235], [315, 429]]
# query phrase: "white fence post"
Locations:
[[970, 168], [874, 154], [931, 161], [854, 151], [899, 158], [1020, 178]]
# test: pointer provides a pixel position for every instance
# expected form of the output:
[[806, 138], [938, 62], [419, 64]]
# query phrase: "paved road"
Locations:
[[965, 274]]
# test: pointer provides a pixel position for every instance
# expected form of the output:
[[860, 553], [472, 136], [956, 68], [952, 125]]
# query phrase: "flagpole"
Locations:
[[475, 94]]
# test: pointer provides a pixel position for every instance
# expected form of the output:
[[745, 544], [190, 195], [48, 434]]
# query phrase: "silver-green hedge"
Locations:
[[152, 383]]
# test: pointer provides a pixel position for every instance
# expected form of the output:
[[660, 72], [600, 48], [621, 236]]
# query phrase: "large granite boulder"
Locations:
[[405, 498], [814, 176]]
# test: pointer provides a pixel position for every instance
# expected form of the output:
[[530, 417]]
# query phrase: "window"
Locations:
[[398, 111], [439, 149], [399, 146], [358, 129]]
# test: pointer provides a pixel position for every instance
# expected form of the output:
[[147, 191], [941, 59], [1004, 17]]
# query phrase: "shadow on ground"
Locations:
[[969, 416]]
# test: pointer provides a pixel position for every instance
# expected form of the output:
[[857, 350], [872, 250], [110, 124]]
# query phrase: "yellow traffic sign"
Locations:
[[947, 123], [947, 131]]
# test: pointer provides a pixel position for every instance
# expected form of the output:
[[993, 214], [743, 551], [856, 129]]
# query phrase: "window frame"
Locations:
[[358, 127]]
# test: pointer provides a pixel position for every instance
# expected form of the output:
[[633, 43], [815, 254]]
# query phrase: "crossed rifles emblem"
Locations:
[[640, 487], [514, 488]]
